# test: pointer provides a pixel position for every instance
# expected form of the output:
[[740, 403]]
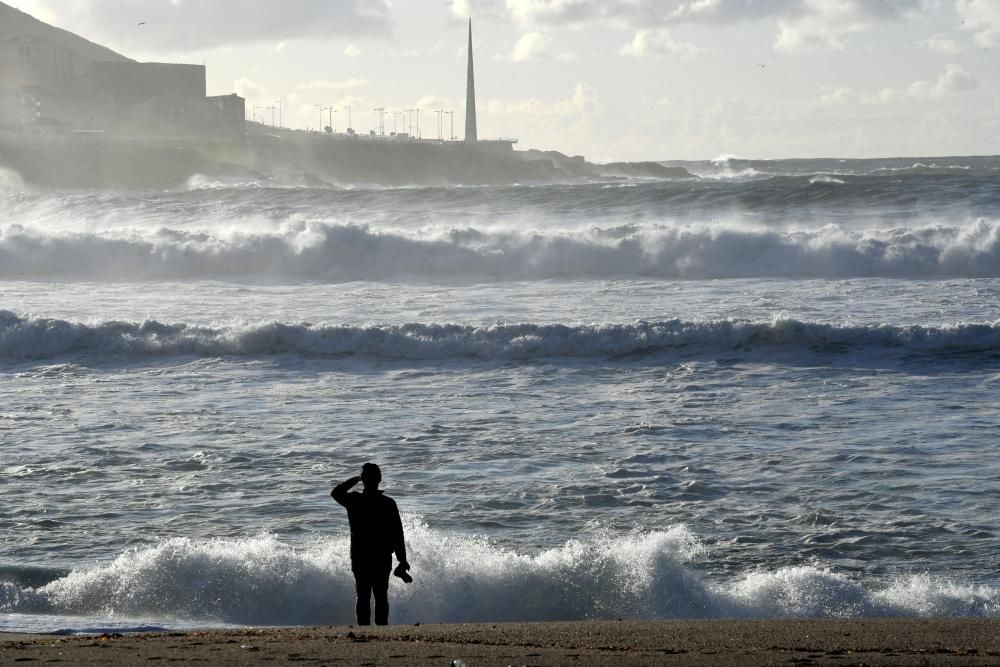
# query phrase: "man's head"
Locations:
[[371, 475]]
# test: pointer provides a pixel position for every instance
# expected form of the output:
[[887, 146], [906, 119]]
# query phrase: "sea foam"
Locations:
[[24, 338], [263, 581], [334, 252]]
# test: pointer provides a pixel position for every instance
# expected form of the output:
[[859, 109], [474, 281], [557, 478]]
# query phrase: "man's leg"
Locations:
[[380, 587], [363, 585]]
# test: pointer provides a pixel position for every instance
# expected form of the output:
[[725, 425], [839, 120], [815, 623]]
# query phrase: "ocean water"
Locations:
[[771, 391]]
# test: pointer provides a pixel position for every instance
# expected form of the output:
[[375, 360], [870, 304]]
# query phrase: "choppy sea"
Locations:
[[772, 391]]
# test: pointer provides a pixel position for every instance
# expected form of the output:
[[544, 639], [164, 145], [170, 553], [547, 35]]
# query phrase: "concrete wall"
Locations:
[[30, 61], [129, 80], [152, 118], [233, 107]]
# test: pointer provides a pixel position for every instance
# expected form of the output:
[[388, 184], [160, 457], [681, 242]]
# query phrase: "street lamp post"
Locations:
[[349, 125], [412, 133], [381, 120]]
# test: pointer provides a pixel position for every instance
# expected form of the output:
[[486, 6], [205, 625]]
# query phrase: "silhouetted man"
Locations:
[[376, 532]]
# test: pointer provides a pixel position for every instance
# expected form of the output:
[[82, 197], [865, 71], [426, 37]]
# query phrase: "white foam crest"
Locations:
[[925, 596], [817, 592], [202, 182], [602, 577], [727, 158], [920, 166], [304, 250], [802, 591], [826, 178], [43, 338], [255, 580], [727, 174], [262, 581], [728, 167]]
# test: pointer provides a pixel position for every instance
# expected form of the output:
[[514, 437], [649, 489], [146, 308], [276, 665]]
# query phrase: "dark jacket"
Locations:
[[376, 529]]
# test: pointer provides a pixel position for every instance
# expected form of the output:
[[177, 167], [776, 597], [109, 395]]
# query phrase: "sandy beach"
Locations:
[[767, 642]]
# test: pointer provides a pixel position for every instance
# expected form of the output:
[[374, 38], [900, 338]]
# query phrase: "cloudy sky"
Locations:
[[610, 79]]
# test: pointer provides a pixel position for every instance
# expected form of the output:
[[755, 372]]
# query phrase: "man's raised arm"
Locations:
[[339, 492]]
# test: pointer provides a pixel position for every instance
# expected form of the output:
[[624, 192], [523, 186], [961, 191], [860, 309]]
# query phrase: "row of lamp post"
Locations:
[[406, 116], [409, 120], [277, 106]]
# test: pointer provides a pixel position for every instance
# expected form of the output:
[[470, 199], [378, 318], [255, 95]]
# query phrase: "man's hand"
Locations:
[[339, 492], [400, 572]]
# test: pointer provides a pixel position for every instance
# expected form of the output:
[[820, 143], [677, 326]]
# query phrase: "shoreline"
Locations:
[[871, 641]]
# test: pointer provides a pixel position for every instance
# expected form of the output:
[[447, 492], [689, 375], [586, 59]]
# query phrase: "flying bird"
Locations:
[[141, 23]]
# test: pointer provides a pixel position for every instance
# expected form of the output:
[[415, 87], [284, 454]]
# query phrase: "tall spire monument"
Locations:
[[470, 97]]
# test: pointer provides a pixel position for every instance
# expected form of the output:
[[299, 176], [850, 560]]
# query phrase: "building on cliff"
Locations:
[[52, 80], [79, 115]]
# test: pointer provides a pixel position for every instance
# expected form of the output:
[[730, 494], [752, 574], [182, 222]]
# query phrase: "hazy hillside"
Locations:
[[15, 23]]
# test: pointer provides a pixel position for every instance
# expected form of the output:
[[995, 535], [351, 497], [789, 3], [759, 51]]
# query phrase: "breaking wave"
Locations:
[[43, 338], [263, 581], [827, 179], [344, 252]]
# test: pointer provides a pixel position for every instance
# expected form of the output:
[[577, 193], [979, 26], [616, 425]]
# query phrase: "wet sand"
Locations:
[[768, 642]]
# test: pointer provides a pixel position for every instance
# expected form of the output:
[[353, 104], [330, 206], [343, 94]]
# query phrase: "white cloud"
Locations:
[[352, 51], [732, 11], [953, 81], [944, 44], [429, 103], [175, 26], [803, 25], [841, 95], [324, 85], [982, 19], [810, 34], [583, 101], [651, 13], [659, 43], [249, 90], [533, 12], [817, 25], [571, 124], [481, 9], [530, 46]]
